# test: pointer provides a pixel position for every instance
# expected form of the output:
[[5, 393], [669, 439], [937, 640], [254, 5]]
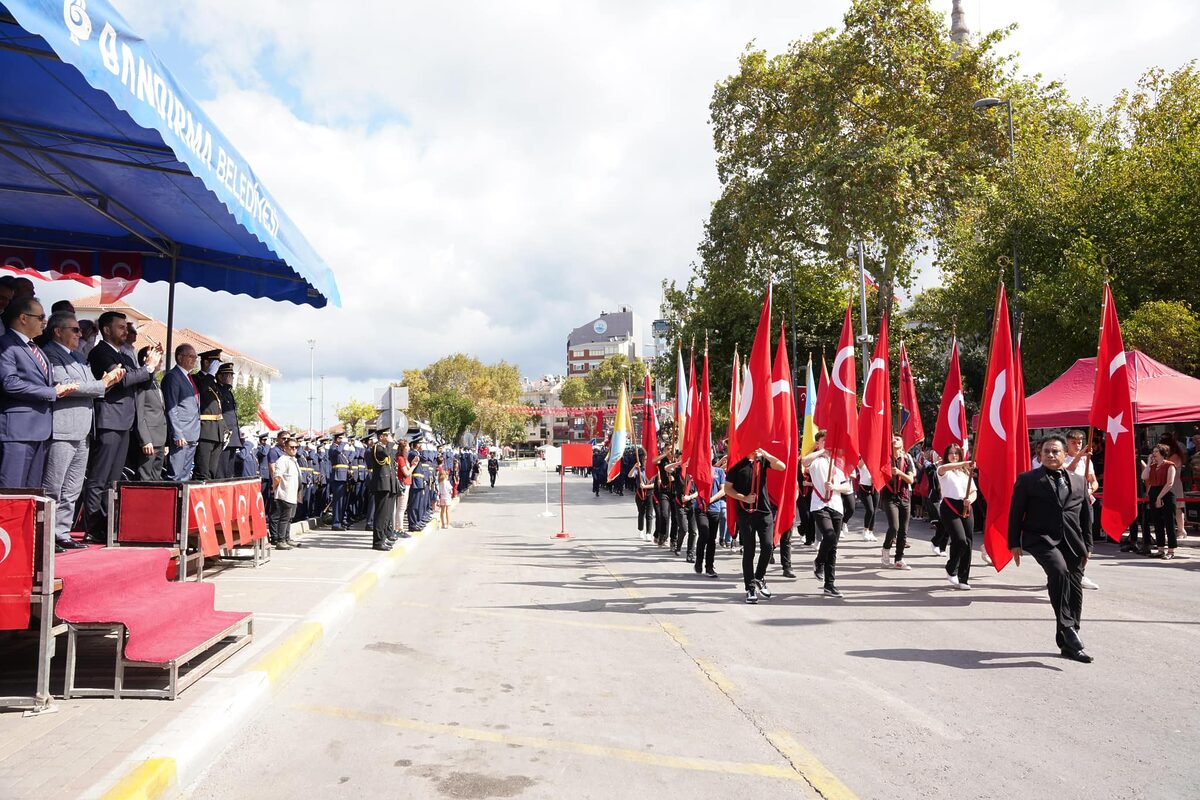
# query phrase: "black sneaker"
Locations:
[[787, 573], [763, 590], [831, 591], [712, 574], [819, 571], [697, 568], [751, 595]]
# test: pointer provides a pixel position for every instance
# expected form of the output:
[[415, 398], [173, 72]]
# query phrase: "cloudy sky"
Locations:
[[485, 176]]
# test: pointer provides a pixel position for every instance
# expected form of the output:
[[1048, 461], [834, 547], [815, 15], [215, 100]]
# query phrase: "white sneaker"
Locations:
[[963, 586], [901, 565], [986, 558], [934, 549], [1088, 583], [884, 558], [953, 579]]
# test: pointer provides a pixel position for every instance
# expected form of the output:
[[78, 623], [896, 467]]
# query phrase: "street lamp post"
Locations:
[[983, 105], [312, 372]]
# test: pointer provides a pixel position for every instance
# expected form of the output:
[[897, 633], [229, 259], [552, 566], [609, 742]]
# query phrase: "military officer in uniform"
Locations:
[[384, 486], [369, 467], [339, 477], [322, 500], [213, 430], [261, 455], [228, 466]]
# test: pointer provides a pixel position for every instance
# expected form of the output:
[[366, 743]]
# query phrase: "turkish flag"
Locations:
[[16, 562], [754, 422], [258, 516], [265, 419], [875, 420], [21, 261], [735, 394], [701, 439], [70, 265], [689, 427], [997, 443], [912, 430], [784, 441], [649, 431], [951, 425], [821, 411], [119, 275], [841, 432], [1024, 463], [1112, 412], [202, 519], [225, 506], [243, 506]]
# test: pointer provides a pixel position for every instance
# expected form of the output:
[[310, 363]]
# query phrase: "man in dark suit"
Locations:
[[1051, 519], [181, 397], [27, 391], [115, 413], [149, 440], [384, 485]]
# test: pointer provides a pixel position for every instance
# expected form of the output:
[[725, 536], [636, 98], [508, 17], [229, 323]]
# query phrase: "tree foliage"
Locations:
[[354, 414], [610, 373], [248, 397], [576, 392], [1167, 331], [450, 386], [450, 414]]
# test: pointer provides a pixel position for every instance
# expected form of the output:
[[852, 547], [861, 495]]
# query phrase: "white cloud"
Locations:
[[485, 176]]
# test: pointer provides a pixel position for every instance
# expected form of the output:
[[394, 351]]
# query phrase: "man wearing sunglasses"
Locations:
[[27, 392], [66, 462]]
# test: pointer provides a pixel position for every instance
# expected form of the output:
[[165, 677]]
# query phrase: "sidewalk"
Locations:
[[99, 747]]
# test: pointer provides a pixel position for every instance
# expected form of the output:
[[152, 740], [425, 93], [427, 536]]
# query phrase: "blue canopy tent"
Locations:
[[108, 167]]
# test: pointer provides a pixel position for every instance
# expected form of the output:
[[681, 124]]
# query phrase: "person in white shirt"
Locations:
[[285, 486], [958, 492], [1079, 461], [830, 485], [869, 497]]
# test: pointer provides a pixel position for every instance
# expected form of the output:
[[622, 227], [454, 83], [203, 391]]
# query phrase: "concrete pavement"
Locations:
[[500, 663]]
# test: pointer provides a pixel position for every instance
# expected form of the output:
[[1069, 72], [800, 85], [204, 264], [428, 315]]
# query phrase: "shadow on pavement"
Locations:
[[959, 659]]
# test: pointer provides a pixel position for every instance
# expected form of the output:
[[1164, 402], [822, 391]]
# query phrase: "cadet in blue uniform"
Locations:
[[322, 476], [245, 460], [227, 467], [339, 477]]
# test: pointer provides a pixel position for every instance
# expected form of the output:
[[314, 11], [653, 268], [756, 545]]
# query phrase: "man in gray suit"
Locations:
[[148, 443], [182, 401], [66, 462]]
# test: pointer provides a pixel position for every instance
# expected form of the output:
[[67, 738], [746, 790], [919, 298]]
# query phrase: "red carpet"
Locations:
[[129, 585]]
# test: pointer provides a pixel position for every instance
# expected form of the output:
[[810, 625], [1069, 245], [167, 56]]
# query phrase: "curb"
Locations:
[[179, 754]]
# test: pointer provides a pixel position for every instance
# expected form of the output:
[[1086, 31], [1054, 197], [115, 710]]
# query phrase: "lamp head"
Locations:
[[986, 103]]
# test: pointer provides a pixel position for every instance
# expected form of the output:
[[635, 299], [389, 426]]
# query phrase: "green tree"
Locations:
[[576, 392], [613, 371], [353, 414], [248, 397], [450, 414], [1167, 331]]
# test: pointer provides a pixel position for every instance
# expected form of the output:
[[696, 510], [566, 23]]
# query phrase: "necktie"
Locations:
[[1058, 484], [195, 389], [37, 355]]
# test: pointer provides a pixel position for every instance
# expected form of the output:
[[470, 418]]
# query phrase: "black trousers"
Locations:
[[707, 525], [755, 529], [897, 511], [804, 518], [1064, 578], [645, 512], [662, 511], [677, 525], [492, 478], [785, 550], [870, 502], [690, 514], [281, 521], [829, 523], [961, 533], [208, 460], [149, 467], [105, 461], [1164, 518], [381, 520]]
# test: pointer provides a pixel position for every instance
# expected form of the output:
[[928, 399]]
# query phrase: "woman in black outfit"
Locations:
[[896, 497]]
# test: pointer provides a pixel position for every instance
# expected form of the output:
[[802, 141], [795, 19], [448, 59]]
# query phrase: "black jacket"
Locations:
[[1039, 521], [383, 472]]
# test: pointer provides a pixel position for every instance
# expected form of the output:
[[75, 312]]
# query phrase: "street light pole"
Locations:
[[983, 105], [322, 403], [865, 338], [312, 347]]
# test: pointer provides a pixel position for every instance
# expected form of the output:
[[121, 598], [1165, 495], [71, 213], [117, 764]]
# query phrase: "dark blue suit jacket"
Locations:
[[26, 392], [115, 410]]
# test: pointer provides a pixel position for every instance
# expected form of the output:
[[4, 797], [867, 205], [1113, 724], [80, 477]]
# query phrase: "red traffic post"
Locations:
[[573, 455]]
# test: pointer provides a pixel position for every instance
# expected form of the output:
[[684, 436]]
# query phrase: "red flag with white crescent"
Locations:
[[1112, 413], [841, 436], [997, 444], [689, 426], [875, 418], [912, 430], [951, 425], [16, 562], [119, 275], [701, 439], [649, 432], [784, 442], [755, 414]]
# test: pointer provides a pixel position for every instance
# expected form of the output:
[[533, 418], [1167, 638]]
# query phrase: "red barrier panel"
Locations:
[[201, 519], [149, 514]]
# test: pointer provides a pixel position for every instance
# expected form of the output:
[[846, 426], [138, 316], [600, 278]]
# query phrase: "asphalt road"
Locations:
[[502, 663]]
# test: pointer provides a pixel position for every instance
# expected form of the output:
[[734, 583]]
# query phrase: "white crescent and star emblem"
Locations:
[[1115, 428], [744, 401], [243, 507], [994, 407], [1117, 362], [781, 387], [954, 414], [846, 352], [6, 540], [201, 512], [876, 364]]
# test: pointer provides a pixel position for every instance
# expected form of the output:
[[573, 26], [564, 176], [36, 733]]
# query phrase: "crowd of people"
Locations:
[[1054, 512]]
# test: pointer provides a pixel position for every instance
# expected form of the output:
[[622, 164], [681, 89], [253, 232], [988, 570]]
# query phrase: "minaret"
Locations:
[[959, 31]]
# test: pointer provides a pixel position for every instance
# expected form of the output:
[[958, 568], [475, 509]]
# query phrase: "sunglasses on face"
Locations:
[[38, 317]]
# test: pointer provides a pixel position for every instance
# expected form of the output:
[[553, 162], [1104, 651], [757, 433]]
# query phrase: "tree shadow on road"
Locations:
[[959, 659]]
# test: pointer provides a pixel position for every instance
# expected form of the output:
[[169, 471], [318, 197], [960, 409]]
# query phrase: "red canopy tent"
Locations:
[[1159, 393]]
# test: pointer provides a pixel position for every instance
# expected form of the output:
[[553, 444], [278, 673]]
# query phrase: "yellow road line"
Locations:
[[152, 778], [362, 584], [674, 632], [715, 675], [806, 764], [283, 657], [526, 617], [578, 748]]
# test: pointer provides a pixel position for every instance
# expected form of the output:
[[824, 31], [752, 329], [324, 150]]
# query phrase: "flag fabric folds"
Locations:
[[782, 485], [951, 425], [754, 422], [1023, 454], [1112, 413], [821, 411], [735, 394], [875, 419], [681, 399], [649, 432], [701, 441], [622, 430], [912, 430], [17, 546], [996, 443], [841, 439], [689, 433], [808, 438]]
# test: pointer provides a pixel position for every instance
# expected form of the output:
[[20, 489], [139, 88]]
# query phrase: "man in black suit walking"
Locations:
[[114, 418], [1051, 519]]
